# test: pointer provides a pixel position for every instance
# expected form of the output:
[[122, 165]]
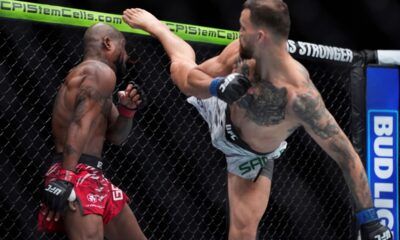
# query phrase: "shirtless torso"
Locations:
[[280, 99], [83, 118], [81, 84], [262, 118], [269, 112]]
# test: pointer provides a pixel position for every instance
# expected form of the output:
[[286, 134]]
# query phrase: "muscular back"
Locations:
[[82, 109]]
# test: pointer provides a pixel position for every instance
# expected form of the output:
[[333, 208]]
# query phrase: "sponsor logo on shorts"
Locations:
[[93, 198], [252, 164], [95, 206], [116, 193], [99, 165], [230, 132]]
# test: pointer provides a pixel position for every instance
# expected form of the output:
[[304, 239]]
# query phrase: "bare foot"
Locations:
[[176, 48], [142, 19]]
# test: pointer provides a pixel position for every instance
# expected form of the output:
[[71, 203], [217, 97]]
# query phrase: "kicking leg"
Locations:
[[176, 48], [181, 54]]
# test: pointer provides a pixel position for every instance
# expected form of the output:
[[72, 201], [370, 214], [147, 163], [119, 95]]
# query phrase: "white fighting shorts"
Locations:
[[241, 162]]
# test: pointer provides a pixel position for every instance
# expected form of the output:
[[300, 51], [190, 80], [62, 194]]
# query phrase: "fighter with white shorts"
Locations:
[[241, 159]]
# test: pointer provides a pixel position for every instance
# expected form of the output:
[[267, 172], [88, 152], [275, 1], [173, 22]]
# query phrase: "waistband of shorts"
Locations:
[[233, 135], [84, 159]]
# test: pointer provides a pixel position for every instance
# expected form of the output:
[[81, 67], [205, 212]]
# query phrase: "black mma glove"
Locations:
[[370, 226], [229, 88], [58, 192]]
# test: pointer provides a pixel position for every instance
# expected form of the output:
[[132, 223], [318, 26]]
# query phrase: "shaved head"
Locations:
[[95, 34], [105, 43]]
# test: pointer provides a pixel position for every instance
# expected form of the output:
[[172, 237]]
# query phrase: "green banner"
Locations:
[[83, 18]]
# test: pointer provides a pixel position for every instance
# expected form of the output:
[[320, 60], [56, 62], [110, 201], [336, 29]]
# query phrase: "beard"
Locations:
[[245, 52]]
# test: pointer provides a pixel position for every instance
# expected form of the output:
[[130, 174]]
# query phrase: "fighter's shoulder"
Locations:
[[303, 93], [96, 68], [301, 78], [95, 74]]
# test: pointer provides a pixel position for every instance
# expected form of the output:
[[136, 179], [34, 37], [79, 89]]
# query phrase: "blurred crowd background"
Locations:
[[355, 24]]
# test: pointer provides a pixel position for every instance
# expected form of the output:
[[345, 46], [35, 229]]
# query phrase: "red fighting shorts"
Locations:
[[95, 193]]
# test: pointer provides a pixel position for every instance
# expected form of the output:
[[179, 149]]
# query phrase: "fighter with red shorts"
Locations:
[[78, 199]]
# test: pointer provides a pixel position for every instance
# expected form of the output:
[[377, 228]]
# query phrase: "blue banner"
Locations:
[[383, 143]]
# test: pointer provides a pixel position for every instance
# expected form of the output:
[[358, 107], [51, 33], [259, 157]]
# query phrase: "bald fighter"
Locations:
[[78, 199], [252, 111]]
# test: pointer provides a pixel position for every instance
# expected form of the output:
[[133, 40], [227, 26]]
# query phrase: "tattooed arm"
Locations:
[[310, 109]]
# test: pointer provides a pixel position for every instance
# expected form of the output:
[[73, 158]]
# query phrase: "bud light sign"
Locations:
[[383, 143]]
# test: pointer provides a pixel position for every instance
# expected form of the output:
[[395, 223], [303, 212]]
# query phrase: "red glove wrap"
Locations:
[[126, 112]]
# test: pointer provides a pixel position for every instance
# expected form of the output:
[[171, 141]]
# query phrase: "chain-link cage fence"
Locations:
[[175, 179]]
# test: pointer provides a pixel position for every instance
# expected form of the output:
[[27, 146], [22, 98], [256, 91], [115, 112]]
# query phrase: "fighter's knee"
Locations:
[[179, 71], [243, 229], [185, 53]]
